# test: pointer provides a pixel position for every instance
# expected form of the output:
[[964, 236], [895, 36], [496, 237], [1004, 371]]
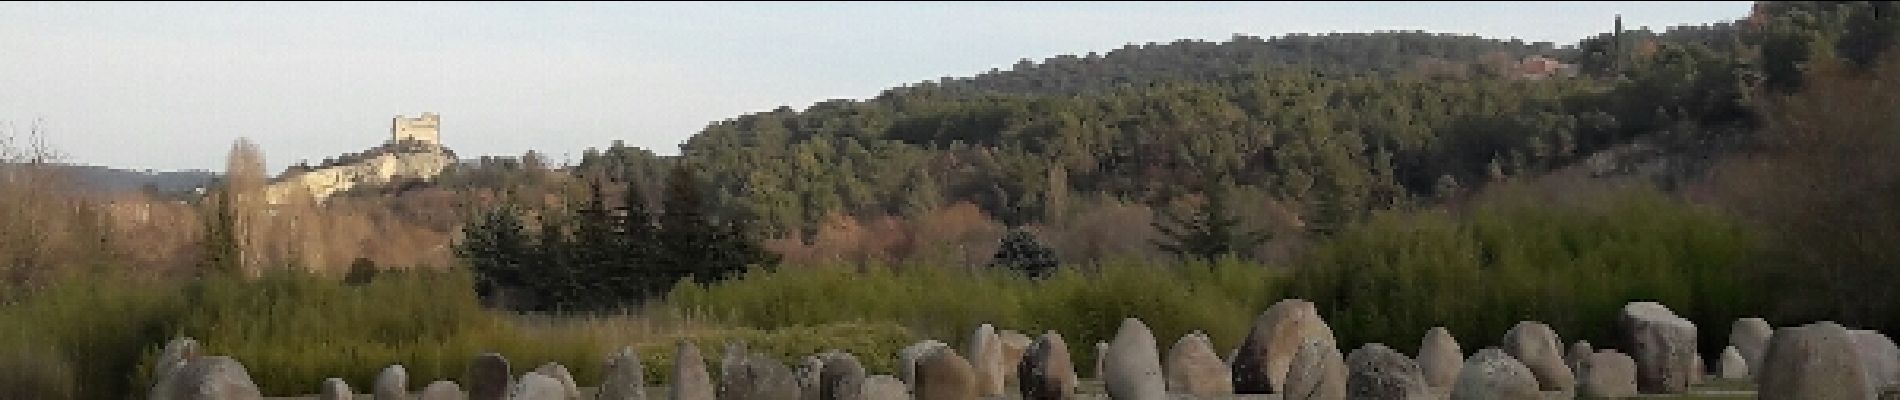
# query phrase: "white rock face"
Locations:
[[381, 166]]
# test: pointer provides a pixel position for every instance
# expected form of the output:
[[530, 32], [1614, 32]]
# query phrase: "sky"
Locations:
[[170, 86]]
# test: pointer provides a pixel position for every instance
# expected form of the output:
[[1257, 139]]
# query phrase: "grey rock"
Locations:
[[1663, 345], [1879, 358], [1440, 358], [335, 389], [443, 390], [944, 375], [884, 387], [210, 378], [1575, 357], [808, 371], [908, 357], [1133, 368], [535, 386], [754, 376], [986, 356], [392, 383], [560, 374], [842, 378], [1607, 374], [1101, 353], [488, 377], [690, 380], [1260, 364], [1815, 361], [1697, 370], [1537, 347], [1493, 375], [1750, 336], [1317, 372], [1375, 371], [1733, 366], [177, 353], [1193, 368], [1015, 345], [625, 378], [1046, 372]]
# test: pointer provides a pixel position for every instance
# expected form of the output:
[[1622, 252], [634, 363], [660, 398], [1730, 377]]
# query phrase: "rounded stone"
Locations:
[[908, 357], [1317, 372], [944, 375], [884, 387], [1879, 358], [1815, 361], [559, 373], [1733, 366], [392, 383], [986, 355], [1493, 375], [1375, 371], [210, 378], [488, 377], [1537, 347], [625, 378], [335, 389], [842, 377], [690, 380], [1607, 374], [1750, 337], [1260, 364], [1193, 368], [1663, 345], [1133, 368], [1440, 358], [443, 390], [745, 375], [1046, 372], [535, 386]]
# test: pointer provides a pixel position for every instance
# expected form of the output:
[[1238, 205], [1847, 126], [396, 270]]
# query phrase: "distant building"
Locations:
[[425, 129], [413, 153], [1540, 67]]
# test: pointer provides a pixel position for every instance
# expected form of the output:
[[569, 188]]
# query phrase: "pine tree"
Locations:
[[1020, 251], [496, 248], [222, 255], [696, 246], [1211, 232]]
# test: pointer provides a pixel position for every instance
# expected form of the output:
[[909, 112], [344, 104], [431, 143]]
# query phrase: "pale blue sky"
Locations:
[[170, 85]]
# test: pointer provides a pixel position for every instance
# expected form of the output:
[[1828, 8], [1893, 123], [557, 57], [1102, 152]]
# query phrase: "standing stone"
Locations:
[[392, 383], [1101, 353], [1879, 358], [335, 389], [1537, 347], [908, 357], [842, 378], [1750, 336], [625, 378], [1377, 372], [884, 387], [443, 390], [1260, 365], [488, 377], [808, 372], [560, 374], [210, 378], [177, 353], [1046, 372], [690, 380], [1015, 345], [1575, 357], [753, 376], [1697, 371], [986, 355], [1133, 368], [944, 375], [1440, 358], [1663, 345], [1733, 366], [535, 386], [1607, 374], [1317, 372], [1493, 375], [1815, 361], [1193, 368]]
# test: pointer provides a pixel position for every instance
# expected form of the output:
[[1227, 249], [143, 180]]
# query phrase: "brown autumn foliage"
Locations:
[[959, 234], [1823, 182]]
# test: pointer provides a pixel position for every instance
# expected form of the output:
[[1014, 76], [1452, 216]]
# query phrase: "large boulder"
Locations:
[[842, 378], [335, 389], [1375, 371], [625, 378], [690, 380], [1537, 347], [1879, 358], [1607, 374], [1193, 368], [986, 355], [1663, 345], [944, 375], [392, 383], [535, 386], [1132, 370], [1015, 346], [885, 387], [1440, 358], [1046, 372], [1260, 364], [177, 353], [1815, 361], [752, 376], [1750, 337], [559, 373], [488, 377], [1317, 372], [210, 378], [1733, 366], [1493, 375], [443, 390], [908, 357]]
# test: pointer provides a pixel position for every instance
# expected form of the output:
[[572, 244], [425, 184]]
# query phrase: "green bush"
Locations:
[[1518, 258], [86, 333], [947, 305]]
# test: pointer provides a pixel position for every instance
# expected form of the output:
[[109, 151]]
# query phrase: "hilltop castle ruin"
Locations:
[[413, 153]]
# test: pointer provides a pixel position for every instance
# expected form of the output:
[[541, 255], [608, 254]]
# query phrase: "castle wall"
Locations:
[[426, 129]]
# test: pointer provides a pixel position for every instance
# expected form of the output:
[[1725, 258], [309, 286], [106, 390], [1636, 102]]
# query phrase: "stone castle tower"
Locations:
[[421, 129]]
